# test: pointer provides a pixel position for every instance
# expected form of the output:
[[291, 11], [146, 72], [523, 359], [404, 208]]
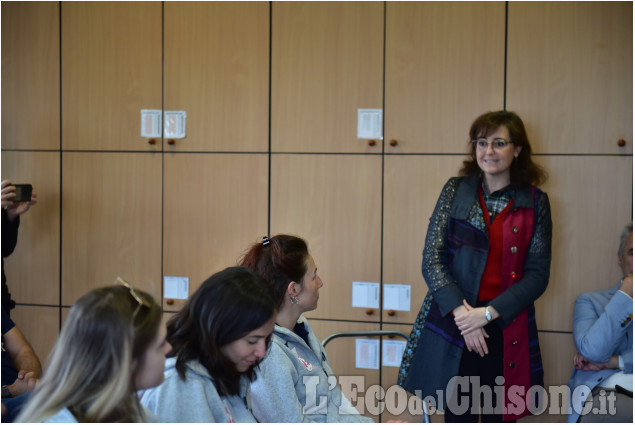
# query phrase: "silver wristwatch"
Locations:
[[488, 315]]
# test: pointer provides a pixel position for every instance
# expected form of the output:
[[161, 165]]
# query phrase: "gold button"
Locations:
[[515, 229], [513, 249]]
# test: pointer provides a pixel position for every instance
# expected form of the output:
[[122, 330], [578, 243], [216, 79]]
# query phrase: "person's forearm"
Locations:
[[27, 360]]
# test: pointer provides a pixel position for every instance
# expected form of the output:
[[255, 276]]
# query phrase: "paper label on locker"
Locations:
[[392, 352], [369, 123], [367, 353], [174, 127], [176, 287], [396, 297], [150, 123], [366, 294]]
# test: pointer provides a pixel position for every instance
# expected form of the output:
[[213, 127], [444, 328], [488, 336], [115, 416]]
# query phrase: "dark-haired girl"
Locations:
[[486, 260], [218, 338], [295, 379]]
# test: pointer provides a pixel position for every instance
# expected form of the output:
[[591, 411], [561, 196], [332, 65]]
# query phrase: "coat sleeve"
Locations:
[[536, 268], [435, 268], [9, 234], [598, 332]]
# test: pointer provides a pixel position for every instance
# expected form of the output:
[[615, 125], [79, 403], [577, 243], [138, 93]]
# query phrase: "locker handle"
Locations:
[[391, 312], [152, 142], [369, 311], [372, 143], [393, 142], [621, 143]]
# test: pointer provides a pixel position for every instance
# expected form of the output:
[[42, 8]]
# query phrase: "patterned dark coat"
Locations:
[[454, 259]]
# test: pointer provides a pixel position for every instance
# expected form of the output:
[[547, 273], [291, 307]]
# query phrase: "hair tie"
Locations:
[[265, 241]]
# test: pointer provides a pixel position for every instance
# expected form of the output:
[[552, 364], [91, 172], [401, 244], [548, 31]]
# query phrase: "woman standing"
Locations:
[[486, 260], [219, 337], [112, 345], [295, 378]]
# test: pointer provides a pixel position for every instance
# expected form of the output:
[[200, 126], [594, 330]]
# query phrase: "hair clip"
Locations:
[[265, 241]]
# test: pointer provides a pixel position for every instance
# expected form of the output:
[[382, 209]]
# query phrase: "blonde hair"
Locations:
[[89, 368]]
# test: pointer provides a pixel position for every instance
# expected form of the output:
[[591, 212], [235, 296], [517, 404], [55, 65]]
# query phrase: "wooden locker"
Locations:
[[444, 67], [40, 326], [33, 269], [412, 186], [111, 70], [30, 75], [217, 71], [570, 75], [591, 201], [341, 354], [333, 202], [111, 222], [326, 64], [215, 207]]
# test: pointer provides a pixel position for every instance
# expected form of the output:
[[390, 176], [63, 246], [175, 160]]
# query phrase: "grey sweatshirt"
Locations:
[[293, 383], [195, 399]]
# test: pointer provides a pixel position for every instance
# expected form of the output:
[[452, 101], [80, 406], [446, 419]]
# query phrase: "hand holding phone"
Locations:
[[23, 192]]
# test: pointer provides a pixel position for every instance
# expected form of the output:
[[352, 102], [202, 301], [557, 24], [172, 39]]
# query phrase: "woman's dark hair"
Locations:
[[280, 260], [523, 170], [226, 307]]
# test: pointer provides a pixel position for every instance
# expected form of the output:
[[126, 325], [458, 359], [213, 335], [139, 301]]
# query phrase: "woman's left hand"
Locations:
[[471, 320]]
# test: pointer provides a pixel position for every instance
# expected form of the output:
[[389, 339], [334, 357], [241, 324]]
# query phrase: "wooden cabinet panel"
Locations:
[[334, 203], [33, 268], [412, 410], [30, 75], [341, 354], [111, 222], [326, 63], [591, 202], [570, 69], [40, 326], [444, 67], [412, 187], [217, 70], [215, 206], [111, 70]]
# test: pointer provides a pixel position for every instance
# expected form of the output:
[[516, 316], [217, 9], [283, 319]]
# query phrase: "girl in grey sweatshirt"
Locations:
[[219, 337], [294, 382]]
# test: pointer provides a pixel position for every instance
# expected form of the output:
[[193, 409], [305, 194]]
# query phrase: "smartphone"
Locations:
[[22, 192]]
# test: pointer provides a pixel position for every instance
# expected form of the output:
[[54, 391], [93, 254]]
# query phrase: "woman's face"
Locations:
[[247, 351], [151, 365], [311, 284], [494, 162]]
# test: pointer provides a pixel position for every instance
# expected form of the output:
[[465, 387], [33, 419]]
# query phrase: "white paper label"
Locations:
[[367, 353], [396, 297], [150, 123], [174, 127], [366, 294], [176, 287], [369, 125], [392, 352]]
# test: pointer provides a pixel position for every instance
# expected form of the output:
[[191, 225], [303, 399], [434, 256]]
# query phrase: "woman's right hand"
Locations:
[[475, 341]]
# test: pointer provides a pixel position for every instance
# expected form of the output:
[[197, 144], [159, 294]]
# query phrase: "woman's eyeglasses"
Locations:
[[140, 301], [497, 144]]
